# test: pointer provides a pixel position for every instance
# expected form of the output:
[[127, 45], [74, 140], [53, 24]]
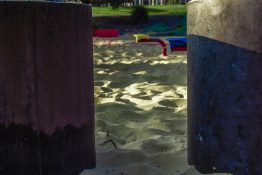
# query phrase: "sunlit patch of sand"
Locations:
[[141, 110]]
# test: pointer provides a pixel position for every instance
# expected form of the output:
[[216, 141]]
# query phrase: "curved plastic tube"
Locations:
[[162, 43], [106, 33]]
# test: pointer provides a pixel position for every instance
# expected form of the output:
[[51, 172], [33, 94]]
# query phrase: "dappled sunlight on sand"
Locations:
[[141, 109]]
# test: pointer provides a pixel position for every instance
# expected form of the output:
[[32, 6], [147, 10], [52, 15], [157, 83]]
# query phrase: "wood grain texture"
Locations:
[[46, 88]]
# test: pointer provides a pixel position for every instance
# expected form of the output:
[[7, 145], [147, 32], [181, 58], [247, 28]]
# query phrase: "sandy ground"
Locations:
[[141, 109]]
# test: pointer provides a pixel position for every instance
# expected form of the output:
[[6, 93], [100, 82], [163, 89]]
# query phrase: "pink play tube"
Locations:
[[106, 33]]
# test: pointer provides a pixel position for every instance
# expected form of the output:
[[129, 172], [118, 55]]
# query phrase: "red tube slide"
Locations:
[[162, 43]]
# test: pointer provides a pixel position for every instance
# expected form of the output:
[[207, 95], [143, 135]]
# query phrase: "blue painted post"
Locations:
[[225, 86]]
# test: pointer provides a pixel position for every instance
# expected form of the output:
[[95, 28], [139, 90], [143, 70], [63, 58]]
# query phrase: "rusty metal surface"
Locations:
[[46, 88], [224, 87]]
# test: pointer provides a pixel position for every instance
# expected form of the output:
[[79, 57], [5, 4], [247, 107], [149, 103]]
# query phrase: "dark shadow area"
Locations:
[[163, 25], [224, 107], [154, 10], [26, 151]]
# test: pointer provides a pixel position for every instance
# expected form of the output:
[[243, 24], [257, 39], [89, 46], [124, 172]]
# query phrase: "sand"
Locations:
[[141, 109]]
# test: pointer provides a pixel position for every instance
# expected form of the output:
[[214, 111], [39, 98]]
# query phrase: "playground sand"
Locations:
[[141, 110]]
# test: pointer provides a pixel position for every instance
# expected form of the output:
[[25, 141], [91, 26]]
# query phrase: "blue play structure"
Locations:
[[178, 44]]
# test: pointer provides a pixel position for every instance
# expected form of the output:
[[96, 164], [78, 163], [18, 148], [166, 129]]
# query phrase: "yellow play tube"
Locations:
[[141, 36]]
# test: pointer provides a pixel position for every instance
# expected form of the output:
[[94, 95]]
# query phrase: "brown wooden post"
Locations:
[[46, 89], [225, 86]]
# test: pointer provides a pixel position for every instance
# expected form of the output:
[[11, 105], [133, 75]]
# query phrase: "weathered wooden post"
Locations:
[[46, 89], [225, 86]]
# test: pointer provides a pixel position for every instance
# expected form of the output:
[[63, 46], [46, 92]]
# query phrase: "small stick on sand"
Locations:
[[112, 141]]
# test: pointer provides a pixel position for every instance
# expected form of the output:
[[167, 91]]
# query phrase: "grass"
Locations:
[[152, 10]]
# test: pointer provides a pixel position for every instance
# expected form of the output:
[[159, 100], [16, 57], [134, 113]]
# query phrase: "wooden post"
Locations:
[[224, 86], [46, 89]]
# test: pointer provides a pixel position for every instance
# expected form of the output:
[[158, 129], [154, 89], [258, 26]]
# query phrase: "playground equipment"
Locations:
[[177, 44], [106, 33], [147, 38]]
